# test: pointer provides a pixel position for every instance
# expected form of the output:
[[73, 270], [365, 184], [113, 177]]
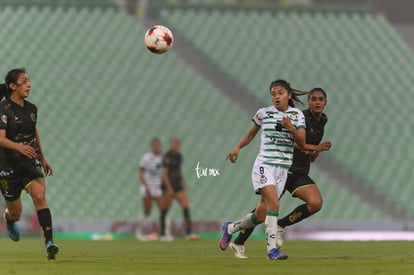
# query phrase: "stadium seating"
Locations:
[[102, 97], [359, 59]]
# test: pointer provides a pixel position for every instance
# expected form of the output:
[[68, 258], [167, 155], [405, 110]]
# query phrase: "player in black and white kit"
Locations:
[[20, 141], [150, 175], [298, 182], [176, 187]]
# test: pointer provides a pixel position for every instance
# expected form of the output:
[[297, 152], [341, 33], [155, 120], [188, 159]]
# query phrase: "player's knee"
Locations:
[[315, 205], [39, 199]]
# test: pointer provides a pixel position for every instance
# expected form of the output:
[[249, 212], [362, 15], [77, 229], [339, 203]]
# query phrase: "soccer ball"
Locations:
[[159, 39]]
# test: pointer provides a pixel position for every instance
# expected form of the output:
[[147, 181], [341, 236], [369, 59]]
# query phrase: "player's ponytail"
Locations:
[[3, 91], [294, 92]]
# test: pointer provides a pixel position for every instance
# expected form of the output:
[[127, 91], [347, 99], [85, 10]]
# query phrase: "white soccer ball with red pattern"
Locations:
[[159, 39]]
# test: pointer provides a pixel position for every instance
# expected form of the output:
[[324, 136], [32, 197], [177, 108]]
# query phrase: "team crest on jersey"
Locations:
[[294, 116], [33, 117], [262, 179], [39, 169], [4, 184], [4, 119]]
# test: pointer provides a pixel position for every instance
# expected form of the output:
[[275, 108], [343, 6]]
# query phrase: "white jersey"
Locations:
[[276, 147], [152, 165]]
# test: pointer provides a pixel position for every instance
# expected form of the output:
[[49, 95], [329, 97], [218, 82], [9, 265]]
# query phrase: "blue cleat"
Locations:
[[51, 250], [226, 237], [12, 230], [275, 254]]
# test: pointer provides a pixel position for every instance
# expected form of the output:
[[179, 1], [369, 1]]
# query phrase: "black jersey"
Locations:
[[314, 134], [20, 125], [3, 162], [173, 162]]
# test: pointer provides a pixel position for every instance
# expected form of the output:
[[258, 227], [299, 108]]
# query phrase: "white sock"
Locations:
[[167, 227], [271, 229], [246, 222], [142, 224]]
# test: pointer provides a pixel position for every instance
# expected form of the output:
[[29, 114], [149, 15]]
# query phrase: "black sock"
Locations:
[[45, 220], [244, 234], [187, 220], [301, 212], [163, 216]]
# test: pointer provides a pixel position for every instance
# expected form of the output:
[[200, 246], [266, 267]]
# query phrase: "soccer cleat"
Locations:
[[152, 237], [141, 237], [238, 250], [192, 237], [12, 229], [226, 237], [279, 236], [51, 250], [167, 238], [275, 254]]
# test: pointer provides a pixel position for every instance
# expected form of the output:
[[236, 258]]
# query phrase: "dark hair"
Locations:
[[11, 77], [317, 89], [295, 93], [3, 90], [155, 139]]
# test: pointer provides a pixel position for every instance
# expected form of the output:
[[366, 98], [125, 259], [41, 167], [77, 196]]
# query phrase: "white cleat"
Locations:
[[167, 238], [238, 250], [279, 236], [192, 237], [141, 237]]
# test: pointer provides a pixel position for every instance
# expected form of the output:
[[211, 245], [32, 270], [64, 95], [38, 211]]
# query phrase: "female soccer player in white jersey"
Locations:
[[298, 182], [282, 125], [150, 175]]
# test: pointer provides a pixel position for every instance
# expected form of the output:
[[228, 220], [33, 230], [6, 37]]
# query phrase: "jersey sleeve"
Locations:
[[258, 117], [301, 121], [3, 118], [143, 162]]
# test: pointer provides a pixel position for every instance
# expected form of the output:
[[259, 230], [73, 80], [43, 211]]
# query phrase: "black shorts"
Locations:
[[177, 186], [12, 182], [295, 182]]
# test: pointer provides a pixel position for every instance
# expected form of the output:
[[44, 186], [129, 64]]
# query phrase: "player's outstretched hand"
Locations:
[[233, 155], [27, 150], [325, 146], [47, 168]]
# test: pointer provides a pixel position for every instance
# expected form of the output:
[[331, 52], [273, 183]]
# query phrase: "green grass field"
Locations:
[[204, 257]]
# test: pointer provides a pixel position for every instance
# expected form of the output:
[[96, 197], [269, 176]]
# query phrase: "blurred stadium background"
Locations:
[[102, 96]]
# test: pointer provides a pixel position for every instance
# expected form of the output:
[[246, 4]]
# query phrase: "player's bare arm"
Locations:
[[246, 139], [324, 146], [143, 181], [299, 135]]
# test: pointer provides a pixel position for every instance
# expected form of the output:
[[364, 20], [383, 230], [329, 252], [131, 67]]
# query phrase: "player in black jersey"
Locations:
[[20, 141], [175, 186], [298, 183]]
